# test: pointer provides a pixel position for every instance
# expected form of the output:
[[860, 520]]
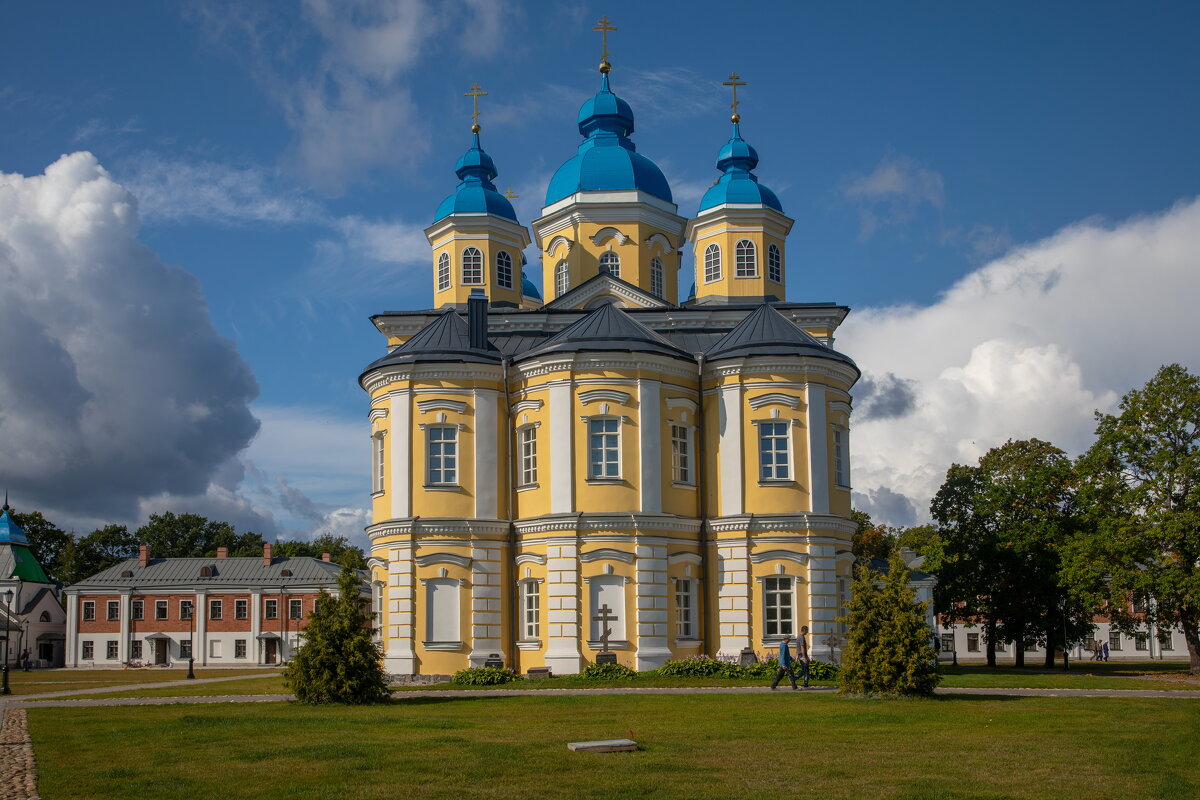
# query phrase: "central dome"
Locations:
[[607, 159]]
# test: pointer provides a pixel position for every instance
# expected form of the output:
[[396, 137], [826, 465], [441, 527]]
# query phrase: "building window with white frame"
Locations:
[[530, 602], [656, 278], [378, 462], [947, 642], [135, 650], [774, 456], [89, 610], [681, 457], [111, 652], [504, 270], [1164, 639], [610, 262], [270, 609], [137, 610], [712, 263], [745, 258], [774, 264], [113, 610], [777, 605], [239, 648], [215, 609], [604, 448], [472, 267], [1141, 641], [562, 279], [1114, 640], [527, 437], [160, 609], [841, 457], [185, 609], [443, 272], [87, 651], [442, 450], [241, 609], [295, 609], [972, 642], [185, 649], [685, 608]]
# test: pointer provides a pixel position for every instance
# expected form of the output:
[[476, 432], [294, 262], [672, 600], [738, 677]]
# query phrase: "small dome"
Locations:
[[476, 194], [738, 185], [607, 159], [528, 289]]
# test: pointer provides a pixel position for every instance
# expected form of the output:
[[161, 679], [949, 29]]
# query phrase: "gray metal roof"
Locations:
[[766, 332], [231, 572], [608, 328], [446, 339]]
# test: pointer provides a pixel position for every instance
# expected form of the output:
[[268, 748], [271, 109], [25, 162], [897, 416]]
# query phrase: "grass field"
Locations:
[[62, 680], [692, 746]]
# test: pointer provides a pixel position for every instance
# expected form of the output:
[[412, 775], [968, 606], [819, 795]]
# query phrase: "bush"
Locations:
[[608, 672], [817, 670], [698, 667], [485, 676]]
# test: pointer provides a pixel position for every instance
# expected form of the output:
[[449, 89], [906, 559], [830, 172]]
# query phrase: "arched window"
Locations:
[[712, 263], [774, 264], [443, 272], [746, 259], [504, 271], [472, 266], [656, 277], [562, 279], [45, 617], [610, 262]]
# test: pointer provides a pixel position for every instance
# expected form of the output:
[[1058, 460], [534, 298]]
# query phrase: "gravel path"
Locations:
[[18, 779], [133, 687]]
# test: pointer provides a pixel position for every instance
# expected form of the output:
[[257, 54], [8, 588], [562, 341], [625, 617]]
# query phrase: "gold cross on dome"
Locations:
[[734, 81], [604, 26], [510, 194], [475, 93]]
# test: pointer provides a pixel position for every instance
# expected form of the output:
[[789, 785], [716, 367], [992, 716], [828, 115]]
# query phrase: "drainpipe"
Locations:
[[701, 495], [515, 610]]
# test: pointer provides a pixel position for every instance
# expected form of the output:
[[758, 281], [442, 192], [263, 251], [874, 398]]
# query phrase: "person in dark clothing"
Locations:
[[802, 653], [785, 664]]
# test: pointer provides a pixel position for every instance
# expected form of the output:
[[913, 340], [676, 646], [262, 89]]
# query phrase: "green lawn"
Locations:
[[693, 746], [63, 680], [269, 685], [1085, 675]]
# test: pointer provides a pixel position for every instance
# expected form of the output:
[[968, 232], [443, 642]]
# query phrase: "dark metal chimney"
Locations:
[[477, 321]]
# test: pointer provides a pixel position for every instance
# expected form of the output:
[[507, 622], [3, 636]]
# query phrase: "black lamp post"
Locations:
[[191, 676], [8, 598]]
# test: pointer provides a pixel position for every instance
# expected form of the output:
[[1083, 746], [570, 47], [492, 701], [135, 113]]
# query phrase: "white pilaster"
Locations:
[[729, 459], [562, 459], [733, 598], [818, 450], [71, 657], [256, 624], [399, 653], [562, 600], [487, 625], [400, 429], [650, 591], [123, 642], [200, 616], [487, 459], [822, 592], [650, 440]]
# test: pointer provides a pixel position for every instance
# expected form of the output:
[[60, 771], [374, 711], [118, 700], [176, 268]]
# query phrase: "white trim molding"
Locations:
[[778, 555], [443, 558], [606, 554], [685, 558], [556, 242], [526, 405], [773, 398], [425, 406], [608, 233], [530, 558], [592, 395]]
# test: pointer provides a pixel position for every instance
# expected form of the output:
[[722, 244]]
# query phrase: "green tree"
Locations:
[[1141, 482], [171, 535], [870, 540], [99, 550], [889, 648], [338, 547], [46, 540], [921, 539], [339, 662]]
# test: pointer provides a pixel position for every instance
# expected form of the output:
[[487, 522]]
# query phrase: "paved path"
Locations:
[[133, 687], [18, 779]]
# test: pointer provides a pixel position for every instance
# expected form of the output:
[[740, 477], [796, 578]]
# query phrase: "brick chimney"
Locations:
[[144, 555], [326, 557], [222, 552], [267, 558]]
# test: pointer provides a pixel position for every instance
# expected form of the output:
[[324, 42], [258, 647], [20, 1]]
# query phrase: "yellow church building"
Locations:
[[605, 468]]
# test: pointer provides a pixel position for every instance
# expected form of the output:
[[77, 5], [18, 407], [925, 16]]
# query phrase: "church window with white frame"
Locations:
[[774, 264], [841, 457], [604, 448], [777, 605], [378, 463], [443, 272], [504, 270], [685, 608], [472, 267], [527, 437], [681, 457], [530, 604], [442, 462], [774, 452], [745, 259], [562, 279], [610, 262], [712, 263], [656, 277]]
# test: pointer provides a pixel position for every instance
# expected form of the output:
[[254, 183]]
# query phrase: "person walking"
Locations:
[[802, 653], [785, 664], [1104, 649]]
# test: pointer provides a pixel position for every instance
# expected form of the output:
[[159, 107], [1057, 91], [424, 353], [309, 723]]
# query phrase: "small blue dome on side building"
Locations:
[[739, 184], [476, 194], [528, 289]]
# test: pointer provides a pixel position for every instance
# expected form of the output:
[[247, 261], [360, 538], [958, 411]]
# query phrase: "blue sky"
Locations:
[[288, 155]]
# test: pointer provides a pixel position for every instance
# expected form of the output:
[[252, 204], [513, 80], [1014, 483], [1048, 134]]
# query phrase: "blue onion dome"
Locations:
[[476, 194], [738, 184], [607, 159], [528, 289]]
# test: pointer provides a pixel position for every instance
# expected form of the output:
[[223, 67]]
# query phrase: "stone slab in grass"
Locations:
[[603, 746]]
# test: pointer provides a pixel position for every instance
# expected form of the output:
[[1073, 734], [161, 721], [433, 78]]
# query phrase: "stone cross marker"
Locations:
[[604, 617]]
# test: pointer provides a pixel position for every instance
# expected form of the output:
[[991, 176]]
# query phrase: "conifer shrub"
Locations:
[[608, 672], [889, 648], [485, 676], [338, 661]]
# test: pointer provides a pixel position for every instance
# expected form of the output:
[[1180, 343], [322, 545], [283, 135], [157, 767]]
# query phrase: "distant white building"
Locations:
[[32, 620]]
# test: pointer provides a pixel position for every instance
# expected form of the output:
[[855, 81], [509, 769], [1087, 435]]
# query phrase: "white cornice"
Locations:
[[439, 526], [594, 395], [606, 554], [773, 398], [778, 555], [425, 406], [767, 523], [478, 226], [443, 558], [591, 523]]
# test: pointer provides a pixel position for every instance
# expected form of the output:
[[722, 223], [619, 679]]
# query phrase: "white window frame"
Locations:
[[774, 263], [443, 272], [504, 269], [218, 607], [610, 262], [135, 650], [185, 648], [527, 453], [379, 462], [1114, 640], [775, 475], [656, 278], [682, 461], [745, 259], [89, 611], [472, 266], [841, 456], [191, 609], [973, 643], [88, 651], [531, 606], [773, 590], [712, 263], [447, 455], [269, 603], [562, 278], [239, 648], [604, 420], [295, 608], [685, 608], [112, 610], [137, 610], [161, 611], [112, 650]]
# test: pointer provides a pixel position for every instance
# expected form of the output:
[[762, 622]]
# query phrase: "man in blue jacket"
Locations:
[[785, 665]]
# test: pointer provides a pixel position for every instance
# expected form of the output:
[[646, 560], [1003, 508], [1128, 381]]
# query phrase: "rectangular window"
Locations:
[[241, 609], [681, 461], [972, 642], [270, 609], [89, 610], [684, 623], [160, 609], [295, 609], [504, 270], [113, 611], [185, 649], [138, 609], [1141, 641], [185, 609], [656, 277], [1001, 647], [110, 650], [604, 448], [773, 456], [777, 606], [87, 652], [377, 459], [215, 609], [529, 605], [135, 650], [841, 464], [1139, 606], [947, 642], [528, 438], [214, 648], [1114, 640], [239, 648], [443, 455], [1165, 641]]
